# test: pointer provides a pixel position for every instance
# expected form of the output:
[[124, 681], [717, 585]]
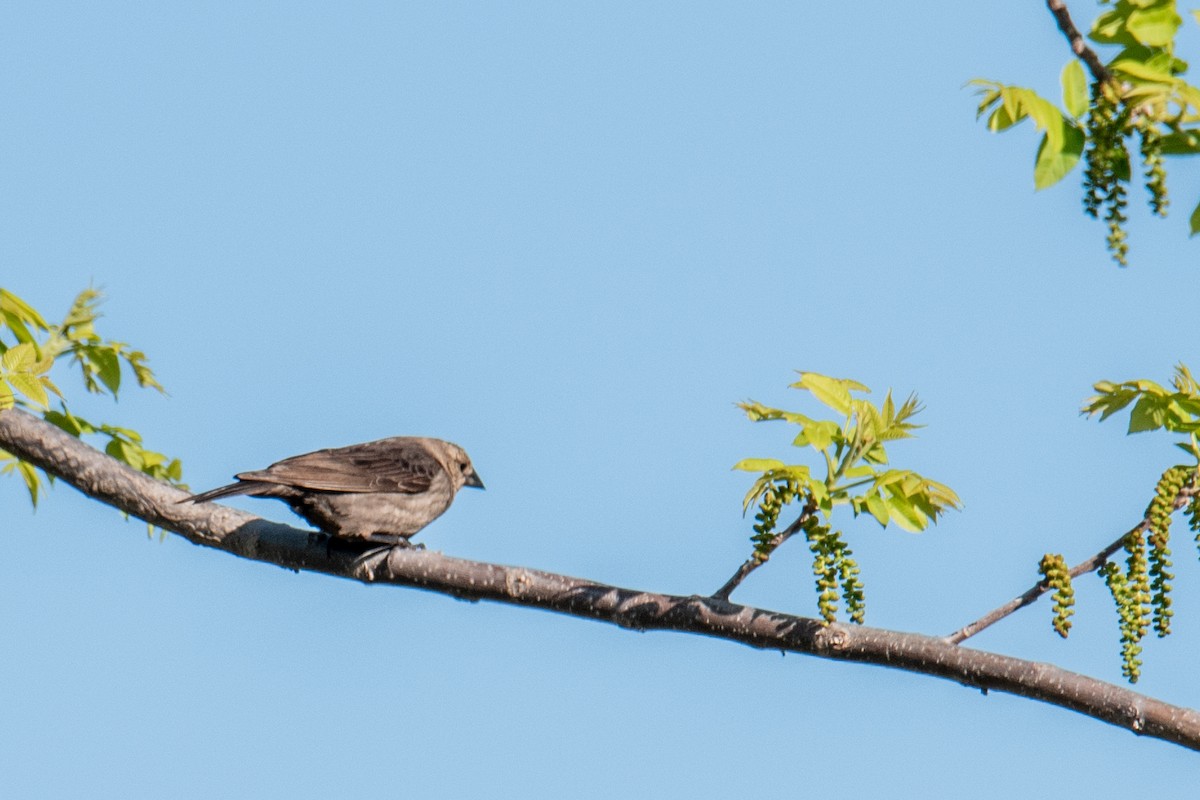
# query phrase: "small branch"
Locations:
[[1033, 593], [242, 534], [758, 559], [1037, 590], [1078, 45]]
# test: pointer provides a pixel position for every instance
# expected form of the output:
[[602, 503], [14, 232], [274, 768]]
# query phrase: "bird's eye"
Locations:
[[465, 467]]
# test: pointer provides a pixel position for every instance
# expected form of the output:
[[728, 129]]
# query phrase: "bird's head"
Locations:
[[457, 464]]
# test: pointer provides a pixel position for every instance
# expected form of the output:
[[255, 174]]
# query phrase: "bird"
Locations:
[[382, 491]]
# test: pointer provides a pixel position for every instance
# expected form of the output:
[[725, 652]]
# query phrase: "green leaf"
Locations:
[[1075, 89], [878, 508], [1110, 402], [877, 454], [1045, 114], [905, 515], [1194, 222], [1148, 415], [108, 367], [31, 478], [18, 326], [1181, 143], [1142, 71], [1052, 164], [757, 412], [11, 304], [758, 464], [20, 358], [820, 493], [49, 384], [1154, 26], [861, 471], [29, 386], [1189, 448], [1005, 115], [821, 433], [1110, 27], [6, 397], [64, 420], [990, 92], [833, 392]]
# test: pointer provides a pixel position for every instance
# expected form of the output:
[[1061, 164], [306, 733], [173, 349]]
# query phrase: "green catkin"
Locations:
[[1058, 577], [1158, 530], [776, 496], [825, 569], [1107, 167], [1142, 591], [1152, 165], [836, 573], [1129, 616]]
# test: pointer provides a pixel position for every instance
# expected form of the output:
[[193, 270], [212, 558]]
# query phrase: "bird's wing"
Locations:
[[384, 466]]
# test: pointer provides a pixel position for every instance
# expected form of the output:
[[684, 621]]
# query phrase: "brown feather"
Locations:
[[383, 466]]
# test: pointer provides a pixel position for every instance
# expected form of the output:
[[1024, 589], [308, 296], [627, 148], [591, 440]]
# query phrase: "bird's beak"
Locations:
[[473, 481]]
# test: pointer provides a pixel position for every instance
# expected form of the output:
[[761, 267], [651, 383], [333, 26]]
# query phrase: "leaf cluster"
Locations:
[[1155, 407], [853, 470], [30, 347], [1144, 97], [854, 453]]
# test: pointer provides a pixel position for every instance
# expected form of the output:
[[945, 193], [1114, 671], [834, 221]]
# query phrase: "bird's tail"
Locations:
[[222, 491]]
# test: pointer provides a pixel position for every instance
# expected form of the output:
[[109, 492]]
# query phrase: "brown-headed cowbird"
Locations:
[[383, 491]]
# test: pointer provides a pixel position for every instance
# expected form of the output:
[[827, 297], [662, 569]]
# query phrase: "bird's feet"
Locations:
[[388, 542], [394, 540]]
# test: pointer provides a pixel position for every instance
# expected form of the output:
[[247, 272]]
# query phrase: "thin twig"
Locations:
[[1078, 46], [1037, 590], [761, 557]]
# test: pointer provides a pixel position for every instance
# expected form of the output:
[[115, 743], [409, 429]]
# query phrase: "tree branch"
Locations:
[[1091, 564], [1033, 593], [758, 559], [1078, 46], [237, 532]]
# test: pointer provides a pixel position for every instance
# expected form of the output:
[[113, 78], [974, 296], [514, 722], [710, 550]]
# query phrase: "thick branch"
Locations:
[[1078, 46], [245, 535]]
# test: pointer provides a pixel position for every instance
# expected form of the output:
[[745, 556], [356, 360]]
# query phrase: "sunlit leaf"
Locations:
[[833, 392], [820, 434], [758, 464], [11, 304], [1075, 89], [1053, 164], [108, 367], [20, 358], [30, 387], [1147, 415], [1154, 26], [1142, 71], [878, 508]]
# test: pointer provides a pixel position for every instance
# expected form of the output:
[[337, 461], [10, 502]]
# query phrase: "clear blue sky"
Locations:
[[569, 237]]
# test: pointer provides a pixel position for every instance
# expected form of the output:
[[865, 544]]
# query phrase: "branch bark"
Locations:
[[1078, 46], [246, 535]]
